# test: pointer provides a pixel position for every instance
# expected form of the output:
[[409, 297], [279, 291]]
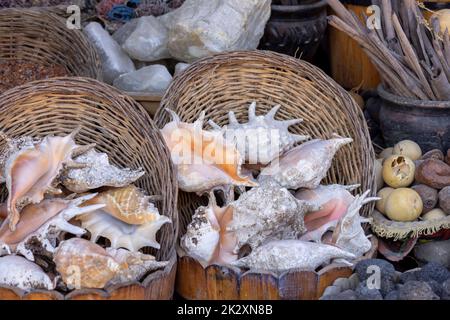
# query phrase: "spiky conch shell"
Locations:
[[262, 138], [95, 171], [41, 224], [31, 168], [305, 165], [281, 255], [121, 234], [19, 272], [128, 204], [204, 159]]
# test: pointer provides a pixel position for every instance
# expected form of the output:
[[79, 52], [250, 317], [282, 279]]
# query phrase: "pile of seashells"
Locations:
[[59, 191], [282, 213]]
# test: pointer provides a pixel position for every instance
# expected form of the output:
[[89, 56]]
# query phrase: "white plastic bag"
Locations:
[[152, 79], [114, 60]]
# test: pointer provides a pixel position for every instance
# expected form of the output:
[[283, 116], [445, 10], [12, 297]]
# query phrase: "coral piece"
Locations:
[[288, 254], [262, 138], [204, 159], [96, 172], [306, 165], [128, 204], [18, 272], [121, 234], [40, 225]]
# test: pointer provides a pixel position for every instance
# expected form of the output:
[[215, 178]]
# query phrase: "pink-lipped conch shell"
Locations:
[[40, 225], [31, 167], [204, 159], [281, 255], [306, 165], [262, 138], [334, 201]]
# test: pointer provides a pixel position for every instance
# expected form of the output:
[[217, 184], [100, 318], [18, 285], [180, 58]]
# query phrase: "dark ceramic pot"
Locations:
[[296, 30], [425, 122]]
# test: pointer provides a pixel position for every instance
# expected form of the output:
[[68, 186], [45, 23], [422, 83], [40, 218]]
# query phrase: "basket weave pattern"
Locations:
[[117, 124], [231, 81]]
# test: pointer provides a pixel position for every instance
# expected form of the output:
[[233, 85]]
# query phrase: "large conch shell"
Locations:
[[121, 234], [128, 204], [40, 224], [19, 272], [306, 165], [30, 170], [95, 171], [334, 201], [282, 255], [262, 138], [268, 212], [349, 235], [206, 238], [204, 159]]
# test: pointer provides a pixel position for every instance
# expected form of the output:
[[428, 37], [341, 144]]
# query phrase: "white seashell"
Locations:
[[16, 271], [41, 224], [97, 172], [349, 234], [306, 165], [204, 159], [288, 254], [268, 212], [262, 138], [121, 234]]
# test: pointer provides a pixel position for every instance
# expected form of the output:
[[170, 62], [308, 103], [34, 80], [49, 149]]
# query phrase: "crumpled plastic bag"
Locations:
[[201, 28], [115, 61], [144, 39], [152, 79]]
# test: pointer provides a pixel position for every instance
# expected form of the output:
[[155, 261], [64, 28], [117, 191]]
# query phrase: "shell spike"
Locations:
[[82, 149], [232, 118], [252, 111], [289, 123], [198, 124], [299, 137], [74, 212], [80, 200], [174, 116], [70, 228], [214, 125], [271, 114], [352, 187], [75, 132]]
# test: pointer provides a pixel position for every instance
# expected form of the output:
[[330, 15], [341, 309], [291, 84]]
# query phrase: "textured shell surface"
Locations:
[[282, 255], [41, 224], [96, 172], [334, 201], [204, 159], [306, 165], [139, 265], [30, 171], [16, 271], [266, 213], [128, 204], [207, 239], [122, 234], [262, 138], [83, 264], [349, 235]]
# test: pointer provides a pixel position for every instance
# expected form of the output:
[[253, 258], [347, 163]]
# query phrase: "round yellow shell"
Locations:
[[398, 171], [435, 214], [383, 194], [403, 204], [408, 148], [386, 153]]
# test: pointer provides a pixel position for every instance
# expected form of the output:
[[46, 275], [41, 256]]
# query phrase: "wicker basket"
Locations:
[[40, 36], [121, 128], [231, 81]]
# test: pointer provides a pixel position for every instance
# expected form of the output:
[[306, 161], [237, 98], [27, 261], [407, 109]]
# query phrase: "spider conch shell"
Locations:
[[349, 235], [268, 212], [128, 204], [334, 200], [306, 165], [19, 272], [97, 172], [262, 138], [121, 234], [204, 159], [40, 224], [282, 255], [31, 170], [206, 238], [83, 264]]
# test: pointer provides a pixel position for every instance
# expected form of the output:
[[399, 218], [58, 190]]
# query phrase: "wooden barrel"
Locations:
[[350, 66]]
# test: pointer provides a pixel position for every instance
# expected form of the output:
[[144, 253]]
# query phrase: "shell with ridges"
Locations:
[[128, 204], [262, 138]]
